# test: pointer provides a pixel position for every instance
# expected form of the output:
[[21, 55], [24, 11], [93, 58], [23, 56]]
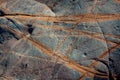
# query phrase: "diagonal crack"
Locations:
[[68, 62]]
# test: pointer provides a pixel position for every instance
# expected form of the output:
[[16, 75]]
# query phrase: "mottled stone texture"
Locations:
[[59, 40]]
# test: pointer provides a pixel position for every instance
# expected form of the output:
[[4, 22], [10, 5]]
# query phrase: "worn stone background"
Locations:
[[48, 39]]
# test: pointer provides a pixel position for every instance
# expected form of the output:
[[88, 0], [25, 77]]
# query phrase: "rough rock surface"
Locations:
[[59, 39]]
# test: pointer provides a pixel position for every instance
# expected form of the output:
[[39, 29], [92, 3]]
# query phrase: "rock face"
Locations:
[[59, 39]]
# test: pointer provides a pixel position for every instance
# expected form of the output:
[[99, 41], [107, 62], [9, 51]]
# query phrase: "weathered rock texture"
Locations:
[[59, 39]]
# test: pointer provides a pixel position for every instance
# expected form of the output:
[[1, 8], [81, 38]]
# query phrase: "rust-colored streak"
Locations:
[[68, 19], [61, 58], [69, 30], [74, 19], [103, 55], [74, 32], [117, 1]]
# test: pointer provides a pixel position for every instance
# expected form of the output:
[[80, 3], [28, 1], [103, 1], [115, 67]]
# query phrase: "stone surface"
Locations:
[[59, 39]]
